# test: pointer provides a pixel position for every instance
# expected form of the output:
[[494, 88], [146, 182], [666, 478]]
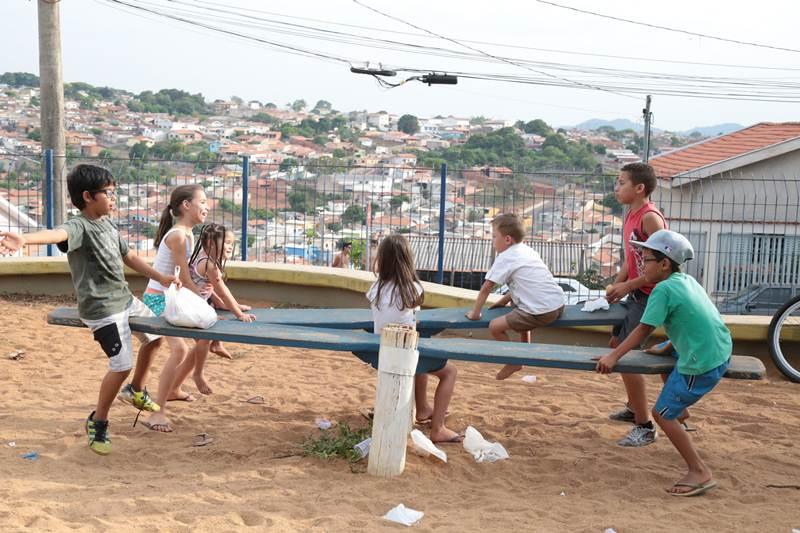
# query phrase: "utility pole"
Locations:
[[648, 116], [51, 86]]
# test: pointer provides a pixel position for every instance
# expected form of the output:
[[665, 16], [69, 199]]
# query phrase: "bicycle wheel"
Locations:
[[784, 339]]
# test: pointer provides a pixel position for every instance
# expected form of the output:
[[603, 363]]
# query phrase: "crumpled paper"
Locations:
[[594, 305], [481, 449], [404, 515], [422, 445]]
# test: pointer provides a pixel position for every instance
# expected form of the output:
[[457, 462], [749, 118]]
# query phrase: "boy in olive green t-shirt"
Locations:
[[701, 340], [97, 255]]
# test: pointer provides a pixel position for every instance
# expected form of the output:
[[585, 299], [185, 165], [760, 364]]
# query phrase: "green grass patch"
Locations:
[[337, 442]]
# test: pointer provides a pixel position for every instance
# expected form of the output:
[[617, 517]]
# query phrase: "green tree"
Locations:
[[335, 227], [599, 149], [287, 164], [354, 214], [96, 131], [338, 153], [35, 135], [299, 105], [538, 127], [475, 215], [19, 79], [478, 121], [610, 201], [35, 102], [396, 201], [408, 124], [322, 105]]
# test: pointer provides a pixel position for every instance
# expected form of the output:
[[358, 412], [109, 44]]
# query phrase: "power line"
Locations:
[[665, 28], [584, 85]]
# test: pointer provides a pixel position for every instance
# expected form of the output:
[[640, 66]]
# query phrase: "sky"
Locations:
[[107, 44]]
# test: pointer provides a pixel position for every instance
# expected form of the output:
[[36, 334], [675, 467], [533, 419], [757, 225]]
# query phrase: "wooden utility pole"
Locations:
[[51, 98], [648, 117]]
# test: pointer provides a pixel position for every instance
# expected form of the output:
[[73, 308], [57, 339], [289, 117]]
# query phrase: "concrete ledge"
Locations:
[[284, 283]]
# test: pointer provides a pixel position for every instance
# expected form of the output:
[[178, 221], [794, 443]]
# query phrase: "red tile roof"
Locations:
[[724, 147]]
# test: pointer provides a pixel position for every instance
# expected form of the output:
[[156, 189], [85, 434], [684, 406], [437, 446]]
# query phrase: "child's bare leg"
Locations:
[[424, 409], [181, 373], [144, 360], [166, 383], [200, 354], [698, 473], [219, 349], [498, 328], [441, 401], [636, 390], [109, 388]]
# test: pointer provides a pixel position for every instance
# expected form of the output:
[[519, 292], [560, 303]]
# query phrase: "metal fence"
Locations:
[[744, 229]]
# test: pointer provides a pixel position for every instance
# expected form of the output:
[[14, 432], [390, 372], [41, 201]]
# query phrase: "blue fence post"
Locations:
[[49, 198], [442, 199], [245, 198]]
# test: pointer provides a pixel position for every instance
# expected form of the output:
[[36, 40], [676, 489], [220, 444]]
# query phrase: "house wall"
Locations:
[[721, 213]]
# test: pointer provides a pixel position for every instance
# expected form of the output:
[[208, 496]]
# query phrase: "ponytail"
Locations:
[[164, 225], [179, 195]]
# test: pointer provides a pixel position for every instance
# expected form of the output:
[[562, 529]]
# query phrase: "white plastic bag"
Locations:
[[481, 449], [595, 305], [423, 446], [186, 309]]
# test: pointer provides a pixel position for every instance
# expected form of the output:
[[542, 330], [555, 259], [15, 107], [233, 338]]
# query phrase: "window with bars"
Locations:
[[760, 258]]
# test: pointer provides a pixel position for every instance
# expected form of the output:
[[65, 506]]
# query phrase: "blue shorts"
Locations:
[[681, 390], [156, 302]]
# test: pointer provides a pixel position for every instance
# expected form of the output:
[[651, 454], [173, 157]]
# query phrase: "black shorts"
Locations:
[[635, 306]]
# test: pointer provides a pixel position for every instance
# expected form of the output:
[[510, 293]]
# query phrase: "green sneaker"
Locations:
[[97, 431], [139, 399]]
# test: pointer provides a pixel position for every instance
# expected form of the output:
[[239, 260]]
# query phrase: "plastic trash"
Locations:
[[593, 305], [404, 515], [30, 456], [362, 448], [423, 446], [323, 423], [186, 309], [16, 355], [481, 449], [610, 530], [12, 444], [563, 493], [529, 379]]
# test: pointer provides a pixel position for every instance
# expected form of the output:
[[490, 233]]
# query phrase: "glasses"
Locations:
[[648, 259], [110, 193]]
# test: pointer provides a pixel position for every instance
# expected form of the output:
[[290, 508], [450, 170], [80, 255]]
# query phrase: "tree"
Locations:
[[397, 201], [408, 124], [299, 105], [478, 121], [538, 127], [475, 215], [35, 101], [610, 201], [236, 100], [270, 105], [322, 105], [696, 135], [334, 227], [287, 164], [96, 131], [556, 141], [354, 214], [338, 153], [599, 149], [35, 135]]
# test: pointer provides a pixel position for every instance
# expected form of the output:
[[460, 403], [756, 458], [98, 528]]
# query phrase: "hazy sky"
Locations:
[[104, 44]]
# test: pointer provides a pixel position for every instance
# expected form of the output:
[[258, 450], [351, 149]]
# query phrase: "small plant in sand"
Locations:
[[337, 442]]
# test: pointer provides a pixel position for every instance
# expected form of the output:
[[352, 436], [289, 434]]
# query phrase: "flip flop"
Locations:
[[423, 421], [202, 439], [458, 439], [187, 398], [697, 488], [157, 427]]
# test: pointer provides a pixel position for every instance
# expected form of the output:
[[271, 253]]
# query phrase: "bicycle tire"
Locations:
[[774, 337]]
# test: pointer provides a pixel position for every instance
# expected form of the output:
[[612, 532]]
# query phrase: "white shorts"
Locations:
[[113, 333]]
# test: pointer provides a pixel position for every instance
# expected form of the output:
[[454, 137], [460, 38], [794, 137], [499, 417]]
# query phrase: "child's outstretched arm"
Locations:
[[221, 290], [483, 294], [606, 363], [11, 242], [138, 264]]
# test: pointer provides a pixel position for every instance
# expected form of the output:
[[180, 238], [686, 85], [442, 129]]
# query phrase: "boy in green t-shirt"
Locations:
[[97, 256], [699, 336]]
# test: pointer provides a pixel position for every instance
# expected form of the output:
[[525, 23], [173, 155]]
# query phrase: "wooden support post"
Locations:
[[394, 400]]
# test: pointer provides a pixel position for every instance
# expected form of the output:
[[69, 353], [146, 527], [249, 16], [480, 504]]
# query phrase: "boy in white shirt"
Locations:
[[538, 300]]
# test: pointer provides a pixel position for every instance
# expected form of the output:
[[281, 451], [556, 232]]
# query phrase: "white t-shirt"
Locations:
[[391, 310], [533, 289]]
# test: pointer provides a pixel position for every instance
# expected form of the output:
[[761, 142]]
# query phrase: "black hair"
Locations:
[[660, 257], [87, 178], [212, 235], [642, 174]]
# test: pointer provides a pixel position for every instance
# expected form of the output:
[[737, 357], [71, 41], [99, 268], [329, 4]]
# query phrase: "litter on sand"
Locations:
[[404, 515], [610, 530], [16, 355], [529, 379], [323, 423], [563, 493], [12, 444], [30, 456], [481, 449], [423, 446], [362, 448], [202, 439]]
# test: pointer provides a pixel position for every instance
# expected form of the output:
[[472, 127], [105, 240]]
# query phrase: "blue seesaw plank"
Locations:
[[537, 354]]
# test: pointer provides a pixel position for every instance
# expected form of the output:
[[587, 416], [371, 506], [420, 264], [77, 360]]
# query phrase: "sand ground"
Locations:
[[565, 471]]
